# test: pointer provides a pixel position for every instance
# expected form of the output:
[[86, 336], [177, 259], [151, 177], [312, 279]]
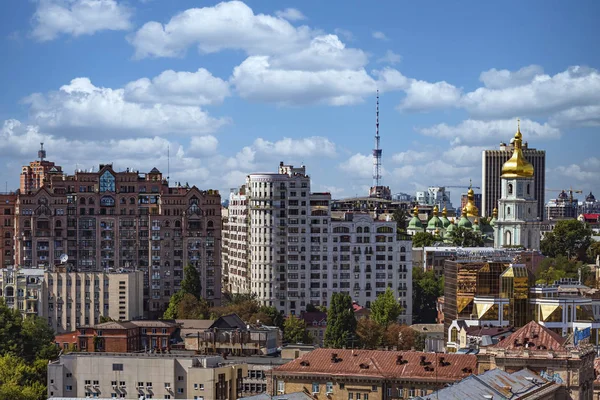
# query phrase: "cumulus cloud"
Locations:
[[203, 145], [314, 146], [425, 96], [78, 17], [585, 116], [501, 79], [463, 155], [227, 25], [291, 14], [83, 108], [181, 88], [257, 80], [379, 35], [476, 131], [358, 166], [543, 95], [390, 58], [587, 172], [409, 156]]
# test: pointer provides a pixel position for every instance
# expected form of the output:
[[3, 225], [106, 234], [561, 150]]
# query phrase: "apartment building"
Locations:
[[80, 298], [145, 375], [491, 166], [340, 374], [7, 229], [109, 220], [38, 172], [284, 244], [24, 290]]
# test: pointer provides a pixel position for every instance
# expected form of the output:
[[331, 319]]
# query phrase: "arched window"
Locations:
[[385, 229], [510, 188], [10, 291], [167, 223], [58, 224], [367, 229], [177, 224], [507, 210], [7, 235], [210, 224], [82, 201], [453, 335], [123, 201], [359, 230], [507, 238], [107, 182], [91, 201], [107, 201], [402, 249], [341, 229]]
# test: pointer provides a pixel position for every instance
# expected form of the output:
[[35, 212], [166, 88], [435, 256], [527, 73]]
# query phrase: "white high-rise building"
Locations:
[[283, 244], [518, 223]]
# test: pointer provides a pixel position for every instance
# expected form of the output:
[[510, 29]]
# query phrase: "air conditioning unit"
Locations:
[[148, 387]]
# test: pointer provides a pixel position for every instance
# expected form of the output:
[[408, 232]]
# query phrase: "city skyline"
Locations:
[[101, 82]]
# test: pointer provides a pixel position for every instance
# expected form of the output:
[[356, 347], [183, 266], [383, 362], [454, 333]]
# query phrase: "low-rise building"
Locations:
[[435, 337], [316, 325], [131, 376], [341, 374]]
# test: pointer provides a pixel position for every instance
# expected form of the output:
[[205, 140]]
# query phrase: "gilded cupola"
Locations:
[[517, 166]]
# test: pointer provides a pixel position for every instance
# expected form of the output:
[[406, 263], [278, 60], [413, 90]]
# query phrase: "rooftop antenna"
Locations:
[[377, 151], [168, 162], [42, 152]]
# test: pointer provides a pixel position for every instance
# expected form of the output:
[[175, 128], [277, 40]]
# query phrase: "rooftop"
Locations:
[[487, 331], [533, 336], [496, 384], [382, 364], [428, 328]]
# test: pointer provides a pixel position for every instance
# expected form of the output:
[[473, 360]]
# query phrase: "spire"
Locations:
[[377, 151], [42, 152]]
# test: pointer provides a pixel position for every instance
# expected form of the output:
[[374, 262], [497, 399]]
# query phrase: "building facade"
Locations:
[[7, 229], [109, 220], [24, 290], [563, 207], [492, 162], [287, 246], [518, 223], [38, 172], [81, 298], [131, 376]]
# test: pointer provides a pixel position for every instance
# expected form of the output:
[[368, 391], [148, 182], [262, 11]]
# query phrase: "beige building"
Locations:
[[24, 290], [80, 298], [131, 376]]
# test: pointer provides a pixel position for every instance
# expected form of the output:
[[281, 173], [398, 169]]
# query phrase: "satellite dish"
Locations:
[[63, 258]]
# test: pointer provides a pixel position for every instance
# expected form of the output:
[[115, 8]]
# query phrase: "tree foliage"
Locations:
[[570, 238], [400, 216], [192, 286], [26, 345], [385, 309], [466, 238], [190, 307], [341, 324], [553, 269], [403, 337], [191, 282], [594, 252], [424, 239], [369, 333], [426, 290], [294, 331], [247, 307]]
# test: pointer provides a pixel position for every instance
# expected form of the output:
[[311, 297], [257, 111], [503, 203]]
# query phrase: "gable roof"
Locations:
[[115, 325], [382, 364], [231, 321], [313, 316], [534, 336]]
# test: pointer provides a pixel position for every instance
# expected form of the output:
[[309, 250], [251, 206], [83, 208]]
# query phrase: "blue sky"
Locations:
[[232, 88]]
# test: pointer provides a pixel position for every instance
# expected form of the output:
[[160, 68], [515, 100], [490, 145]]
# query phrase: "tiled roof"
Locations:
[[428, 328], [310, 317], [535, 337], [487, 331], [115, 325], [153, 324], [382, 364], [195, 323]]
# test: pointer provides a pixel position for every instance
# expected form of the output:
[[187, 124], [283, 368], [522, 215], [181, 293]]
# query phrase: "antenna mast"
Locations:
[[377, 151], [42, 152], [168, 163]]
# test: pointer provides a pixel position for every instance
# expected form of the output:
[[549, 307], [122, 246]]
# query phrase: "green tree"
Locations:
[[19, 380], [466, 238], [11, 323], [400, 216], [190, 307], [403, 337], [294, 330], [424, 239], [310, 307], [104, 319], [341, 324], [38, 340], [369, 333], [426, 290], [272, 316], [171, 311], [594, 252], [570, 238], [191, 282], [385, 309], [553, 269]]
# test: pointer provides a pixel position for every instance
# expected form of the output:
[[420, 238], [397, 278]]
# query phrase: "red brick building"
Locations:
[[120, 337], [7, 229]]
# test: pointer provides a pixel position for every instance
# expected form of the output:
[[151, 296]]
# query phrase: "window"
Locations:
[[357, 396], [350, 396], [329, 387], [366, 396], [280, 387], [167, 385], [315, 388], [453, 335], [179, 390], [411, 392], [180, 378], [107, 182], [117, 367], [510, 188], [69, 388], [149, 384], [107, 201], [69, 375], [374, 388]]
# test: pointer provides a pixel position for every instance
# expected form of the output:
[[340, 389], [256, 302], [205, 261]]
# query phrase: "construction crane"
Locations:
[[570, 190]]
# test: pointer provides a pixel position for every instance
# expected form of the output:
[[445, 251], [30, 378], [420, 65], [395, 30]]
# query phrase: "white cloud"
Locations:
[[390, 58], [425, 96], [501, 79], [336, 192], [587, 116], [475, 131], [227, 25], [358, 166], [344, 33], [410, 156], [575, 171], [543, 95], [86, 109], [181, 88], [379, 35], [291, 14], [257, 80], [464, 155], [305, 147], [203, 145], [78, 17]]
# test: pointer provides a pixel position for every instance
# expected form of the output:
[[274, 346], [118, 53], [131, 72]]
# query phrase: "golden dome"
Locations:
[[416, 212], [470, 209], [517, 166], [495, 213], [444, 212], [435, 210]]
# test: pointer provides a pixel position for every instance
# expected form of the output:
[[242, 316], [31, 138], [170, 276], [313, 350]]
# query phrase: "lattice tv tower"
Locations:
[[377, 151]]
